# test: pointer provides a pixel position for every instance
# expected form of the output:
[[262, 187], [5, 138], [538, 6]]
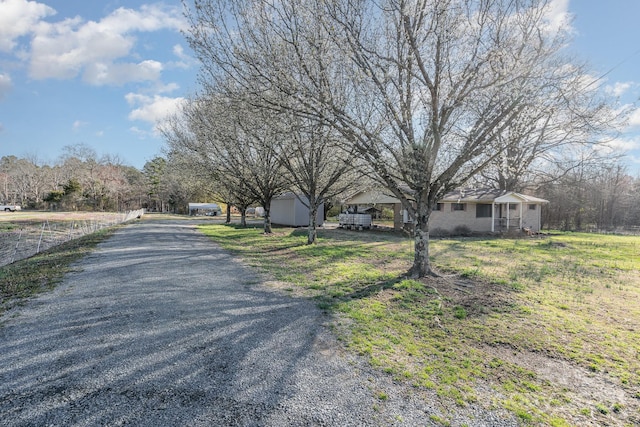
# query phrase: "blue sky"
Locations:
[[102, 73], [95, 73]]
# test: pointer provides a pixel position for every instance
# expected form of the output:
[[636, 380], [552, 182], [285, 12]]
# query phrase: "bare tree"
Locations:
[[254, 137], [8, 188], [76, 182], [133, 193], [236, 141], [28, 181], [591, 196], [555, 132], [204, 169], [422, 90], [313, 156]]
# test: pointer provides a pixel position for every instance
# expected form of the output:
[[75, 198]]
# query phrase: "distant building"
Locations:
[[481, 210], [209, 209]]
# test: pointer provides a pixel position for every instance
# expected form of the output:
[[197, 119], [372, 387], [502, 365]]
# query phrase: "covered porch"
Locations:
[[514, 211]]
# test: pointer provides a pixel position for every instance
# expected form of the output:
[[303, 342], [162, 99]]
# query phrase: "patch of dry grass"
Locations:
[[39, 273]]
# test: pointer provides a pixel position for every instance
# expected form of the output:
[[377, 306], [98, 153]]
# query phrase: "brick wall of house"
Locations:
[[448, 219]]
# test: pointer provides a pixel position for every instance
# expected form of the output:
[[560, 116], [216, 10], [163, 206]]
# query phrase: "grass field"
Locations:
[[40, 216], [546, 328]]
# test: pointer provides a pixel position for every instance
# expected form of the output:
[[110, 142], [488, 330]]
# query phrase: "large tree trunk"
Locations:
[[267, 219], [421, 262], [243, 217], [228, 220], [313, 224]]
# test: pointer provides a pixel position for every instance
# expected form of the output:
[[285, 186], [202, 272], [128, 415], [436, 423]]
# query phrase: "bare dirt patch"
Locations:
[[478, 297], [581, 387], [599, 398]]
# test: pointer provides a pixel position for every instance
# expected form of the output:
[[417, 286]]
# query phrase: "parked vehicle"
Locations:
[[9, 208]]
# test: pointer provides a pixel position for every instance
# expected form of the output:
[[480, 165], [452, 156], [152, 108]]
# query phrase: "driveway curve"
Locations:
[[161, 327]]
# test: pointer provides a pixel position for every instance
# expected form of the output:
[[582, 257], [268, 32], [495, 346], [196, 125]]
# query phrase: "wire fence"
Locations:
[[23, 239]]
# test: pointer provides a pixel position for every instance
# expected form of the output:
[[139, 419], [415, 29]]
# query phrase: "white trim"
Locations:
[[371, 197], [521, 215], [517, 198], [493, 217]]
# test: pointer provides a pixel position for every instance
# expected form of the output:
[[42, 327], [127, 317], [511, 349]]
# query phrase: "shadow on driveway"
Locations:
[[159, 326]]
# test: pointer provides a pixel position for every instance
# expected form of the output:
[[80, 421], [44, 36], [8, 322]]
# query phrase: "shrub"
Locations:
[[462, 230], [387, 213], [333, 211], [459, 312], [440, 232]]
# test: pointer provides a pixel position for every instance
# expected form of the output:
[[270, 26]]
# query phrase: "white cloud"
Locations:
[[19, 18], [5, 85], [99, 50], [557, 16], [78, 124], [634, 118], [587, 82], [185, 61], [100, 73], [168, 88], [141, 133], [178, 51], [152, 17], [63, 49], [629, 115], [624, 144], [619, 88], [152, 109]]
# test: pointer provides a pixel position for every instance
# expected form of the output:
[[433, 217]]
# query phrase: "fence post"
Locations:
[[40, 239], [15, 251]]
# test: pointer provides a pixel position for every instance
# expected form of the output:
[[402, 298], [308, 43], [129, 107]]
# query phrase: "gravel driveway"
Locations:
[[160, 327]]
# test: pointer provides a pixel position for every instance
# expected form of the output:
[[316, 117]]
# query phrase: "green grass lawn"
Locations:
[[551, 326]]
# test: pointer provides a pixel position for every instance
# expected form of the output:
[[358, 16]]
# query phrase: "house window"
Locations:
[[483, 211], [438, 207], [458, 206], [513, 206], [532, 207]]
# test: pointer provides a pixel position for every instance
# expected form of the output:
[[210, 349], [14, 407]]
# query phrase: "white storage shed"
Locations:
[[288, 210]]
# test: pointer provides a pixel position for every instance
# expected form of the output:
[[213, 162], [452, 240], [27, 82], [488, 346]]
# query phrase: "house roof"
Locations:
[[285, 196], [487, 195], [372, 197], [508, 198], [478, 195]]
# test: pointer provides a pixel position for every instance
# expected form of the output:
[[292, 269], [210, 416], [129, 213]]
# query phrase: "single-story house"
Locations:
[[481, 210], [209, 209], [287, 209]]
